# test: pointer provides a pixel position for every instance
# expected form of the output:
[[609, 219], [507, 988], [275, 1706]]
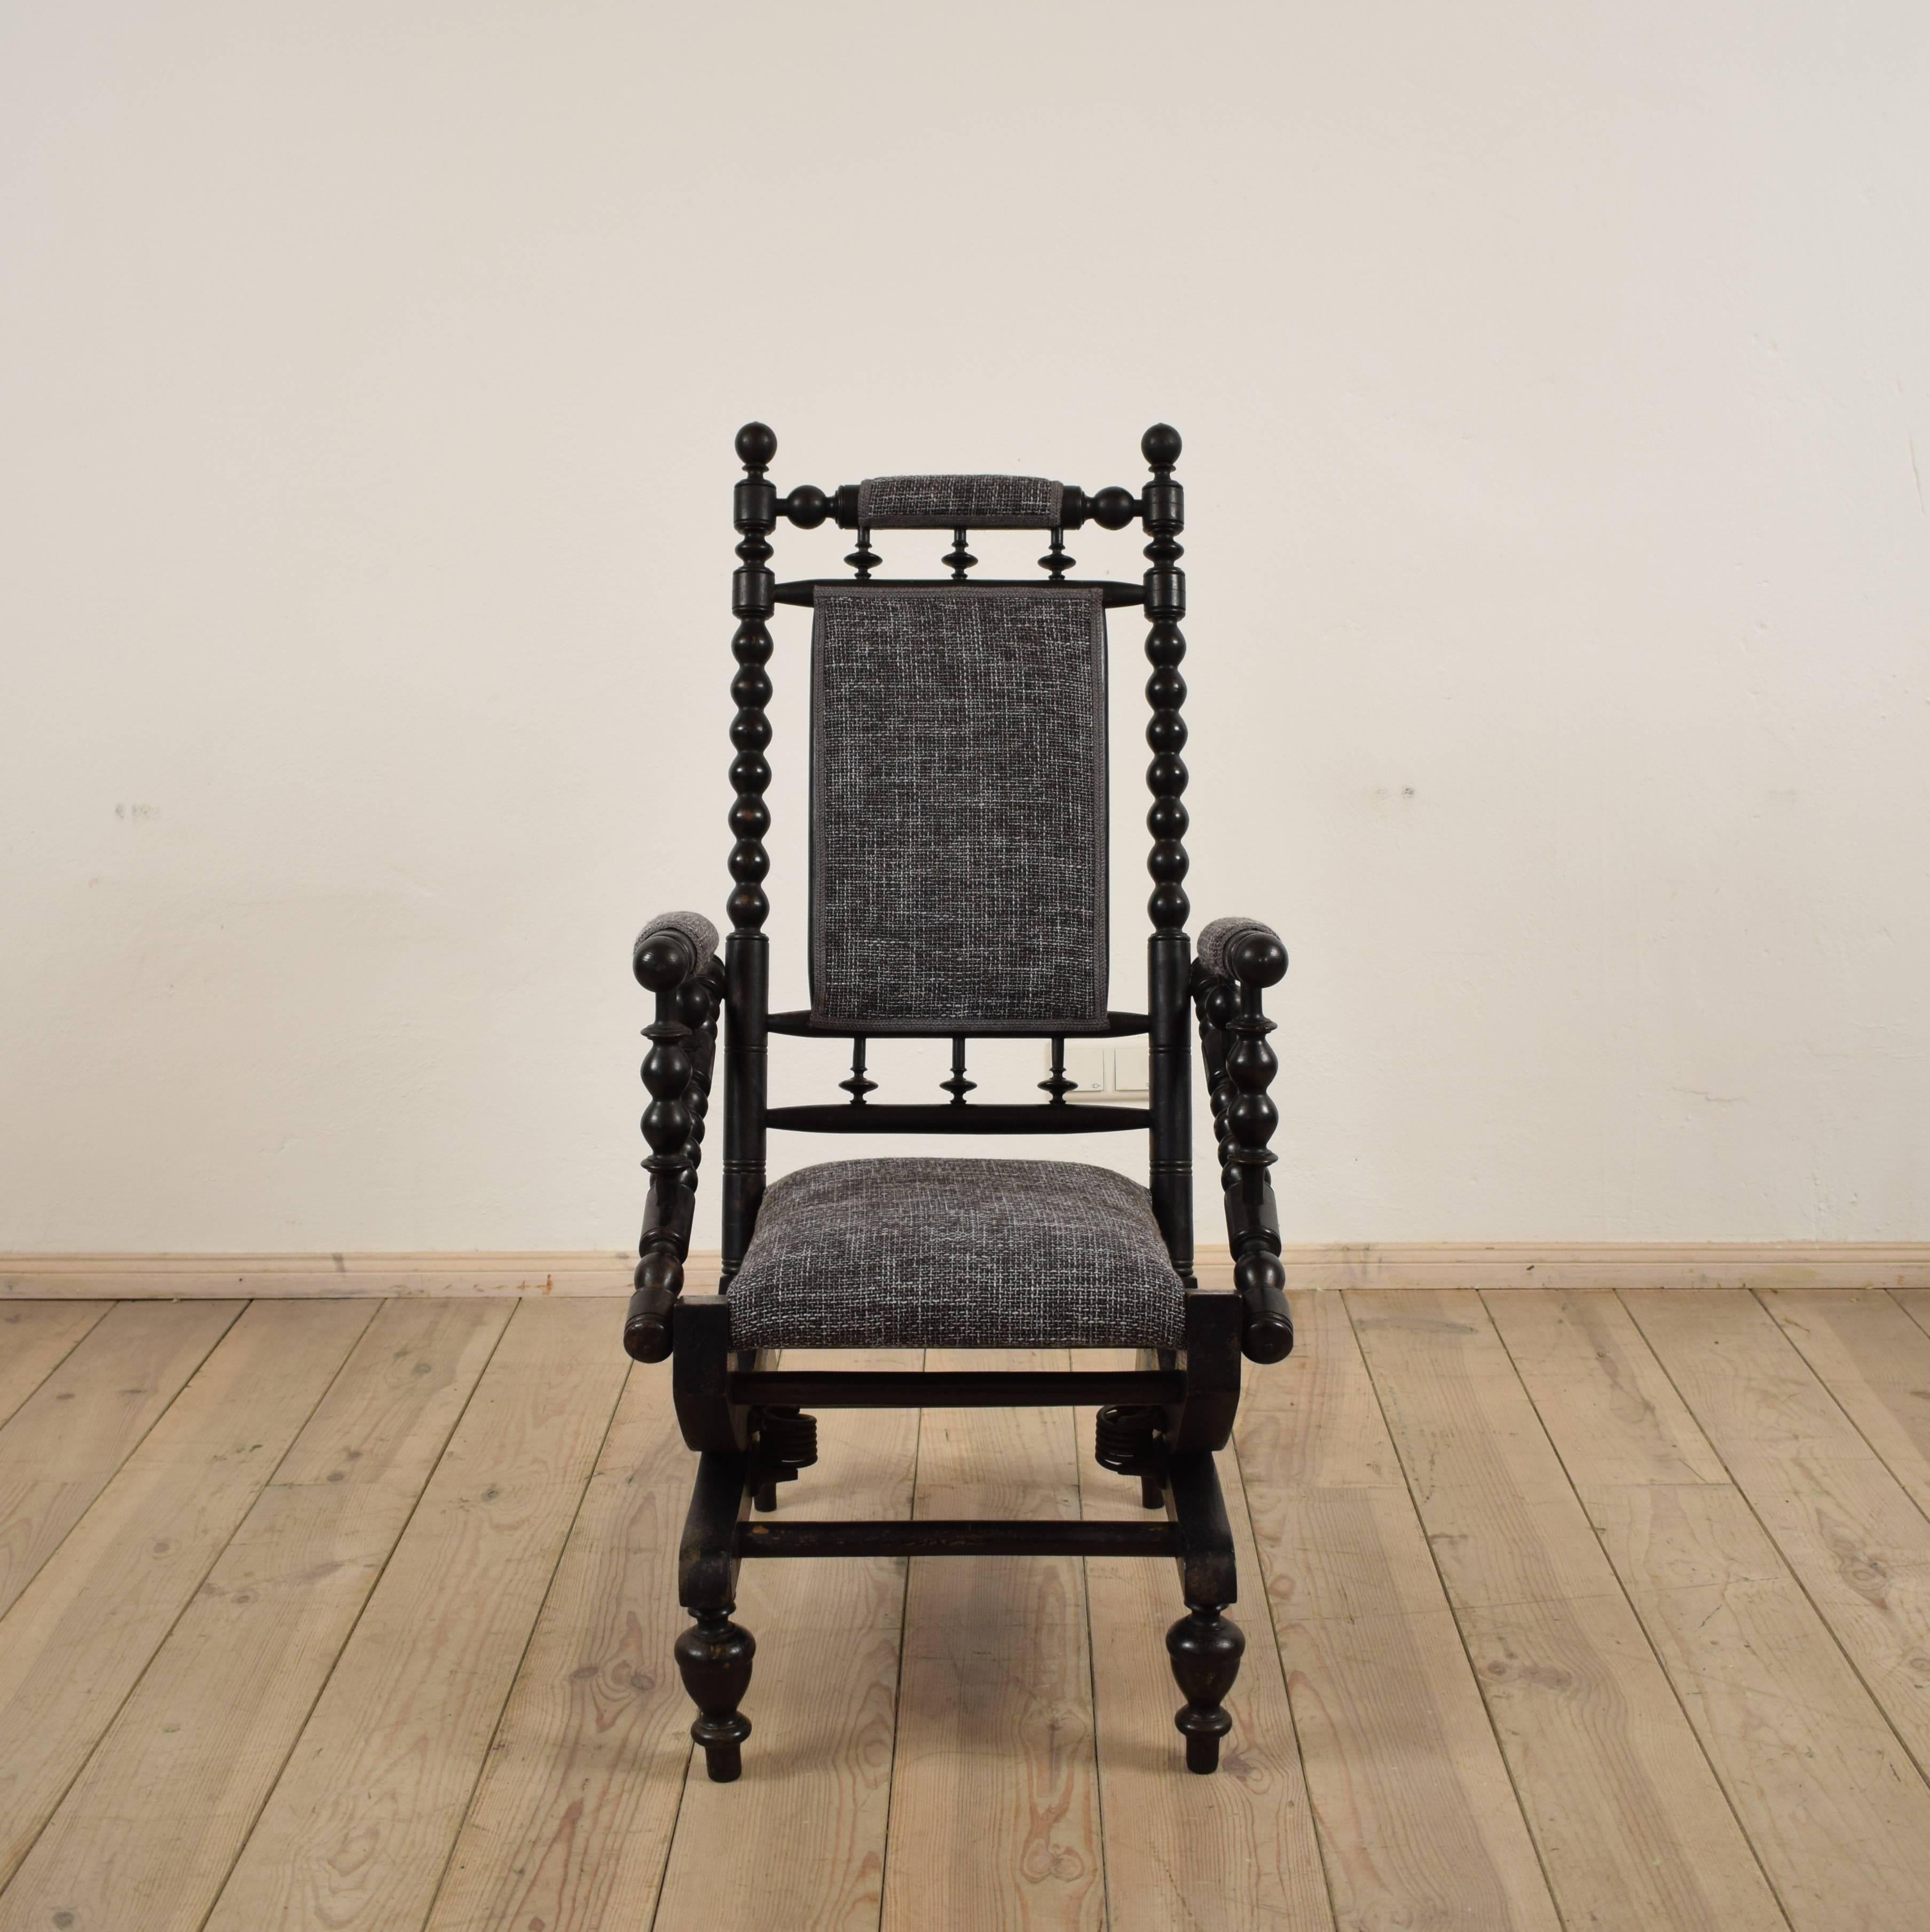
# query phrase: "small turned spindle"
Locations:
[[1056, 560], [857, 1086], [864, 559], [1056, 1083], [960, 558], [957, 1086]]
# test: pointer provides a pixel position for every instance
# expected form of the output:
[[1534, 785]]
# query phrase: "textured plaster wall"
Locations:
[[1557, 394]]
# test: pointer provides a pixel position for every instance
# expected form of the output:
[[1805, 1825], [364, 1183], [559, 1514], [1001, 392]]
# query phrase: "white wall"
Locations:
[[1555, 385]]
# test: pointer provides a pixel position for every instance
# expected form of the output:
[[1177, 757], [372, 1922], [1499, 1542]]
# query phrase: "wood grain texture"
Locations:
[[815, 1795], [995, 1810], [35, 1338], [570, 1822], [1219, 1854], [361, 1825], [146, 1834], [1607, 1406], [1631, 1824], [1875, 1361], [68, 1438], [1418, 1823], [1844, 1524], [1831, 1802], [78, 1638]]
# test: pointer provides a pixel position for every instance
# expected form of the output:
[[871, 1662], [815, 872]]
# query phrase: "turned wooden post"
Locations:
[[746, 953], [1168, 956]]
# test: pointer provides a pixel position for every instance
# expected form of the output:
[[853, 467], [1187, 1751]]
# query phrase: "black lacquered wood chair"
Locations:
[[959, 888]]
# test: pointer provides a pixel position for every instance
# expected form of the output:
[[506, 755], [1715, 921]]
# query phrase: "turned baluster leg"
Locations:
[[714, 1656], [1205, 1650], [1205, 1647]]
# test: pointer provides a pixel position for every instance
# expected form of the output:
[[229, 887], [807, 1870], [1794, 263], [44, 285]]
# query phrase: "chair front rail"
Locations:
[[937, 1536], [954, 1388]]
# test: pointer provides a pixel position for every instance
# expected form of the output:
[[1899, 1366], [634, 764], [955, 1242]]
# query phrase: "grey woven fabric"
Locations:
[[694, 926], [958, 809], [945, 502], [956, 1254], [1214, 942]]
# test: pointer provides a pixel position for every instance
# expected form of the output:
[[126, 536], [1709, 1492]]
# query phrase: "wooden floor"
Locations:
[[1562, 1610]]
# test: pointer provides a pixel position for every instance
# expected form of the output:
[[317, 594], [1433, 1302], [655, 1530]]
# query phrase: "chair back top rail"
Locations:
[[942, 502], [1114, 594]]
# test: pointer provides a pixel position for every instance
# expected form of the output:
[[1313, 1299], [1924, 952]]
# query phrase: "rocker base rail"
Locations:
[[955, 1388], [936, 1536]]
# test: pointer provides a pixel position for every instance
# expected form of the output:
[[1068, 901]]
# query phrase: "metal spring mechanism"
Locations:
[[1127, 1438]]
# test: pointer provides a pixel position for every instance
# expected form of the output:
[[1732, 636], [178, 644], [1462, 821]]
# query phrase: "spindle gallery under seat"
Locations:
[[959, 887]]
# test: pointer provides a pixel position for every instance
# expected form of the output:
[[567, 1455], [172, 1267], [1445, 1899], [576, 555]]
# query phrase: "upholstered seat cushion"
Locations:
[[956, 1254]]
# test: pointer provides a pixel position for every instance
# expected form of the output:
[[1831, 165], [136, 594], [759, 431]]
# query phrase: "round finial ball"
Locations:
[[1160, 445], [661, 958], [757, 444], [1258, 958]]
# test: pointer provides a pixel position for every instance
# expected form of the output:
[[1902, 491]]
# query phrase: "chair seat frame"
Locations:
[[1160, 1421]]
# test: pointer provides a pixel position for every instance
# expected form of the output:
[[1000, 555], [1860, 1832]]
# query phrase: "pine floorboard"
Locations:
[[1563, 1609]]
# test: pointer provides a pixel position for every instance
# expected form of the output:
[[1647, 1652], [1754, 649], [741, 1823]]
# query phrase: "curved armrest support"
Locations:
[[1237, 960], [676, 957]]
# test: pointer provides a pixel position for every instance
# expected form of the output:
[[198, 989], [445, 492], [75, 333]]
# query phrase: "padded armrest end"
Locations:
[[672, 947], [1245, 949]]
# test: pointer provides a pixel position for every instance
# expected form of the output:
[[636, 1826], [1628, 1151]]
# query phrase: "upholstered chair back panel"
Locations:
[[958, 809], [946, 502]]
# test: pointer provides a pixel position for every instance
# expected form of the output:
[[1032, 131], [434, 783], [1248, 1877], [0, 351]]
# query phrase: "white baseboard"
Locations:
[[1327, 1264]]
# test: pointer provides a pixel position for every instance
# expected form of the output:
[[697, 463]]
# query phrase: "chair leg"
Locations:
[[714, 1656], [1205, 1650], [766, 1496], [1205, 1647]]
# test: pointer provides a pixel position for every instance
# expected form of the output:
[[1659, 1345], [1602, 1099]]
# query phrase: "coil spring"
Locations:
[[1126, 1438], [787, 1440]]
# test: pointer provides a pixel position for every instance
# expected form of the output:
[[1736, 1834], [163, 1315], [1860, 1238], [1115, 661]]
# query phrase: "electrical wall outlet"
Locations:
[[1102, 1070]]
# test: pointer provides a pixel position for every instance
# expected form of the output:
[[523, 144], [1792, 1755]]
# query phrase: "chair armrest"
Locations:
[[1237, 960], [675, 956]]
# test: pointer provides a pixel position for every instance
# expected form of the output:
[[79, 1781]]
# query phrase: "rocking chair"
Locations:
[[958, 843]]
